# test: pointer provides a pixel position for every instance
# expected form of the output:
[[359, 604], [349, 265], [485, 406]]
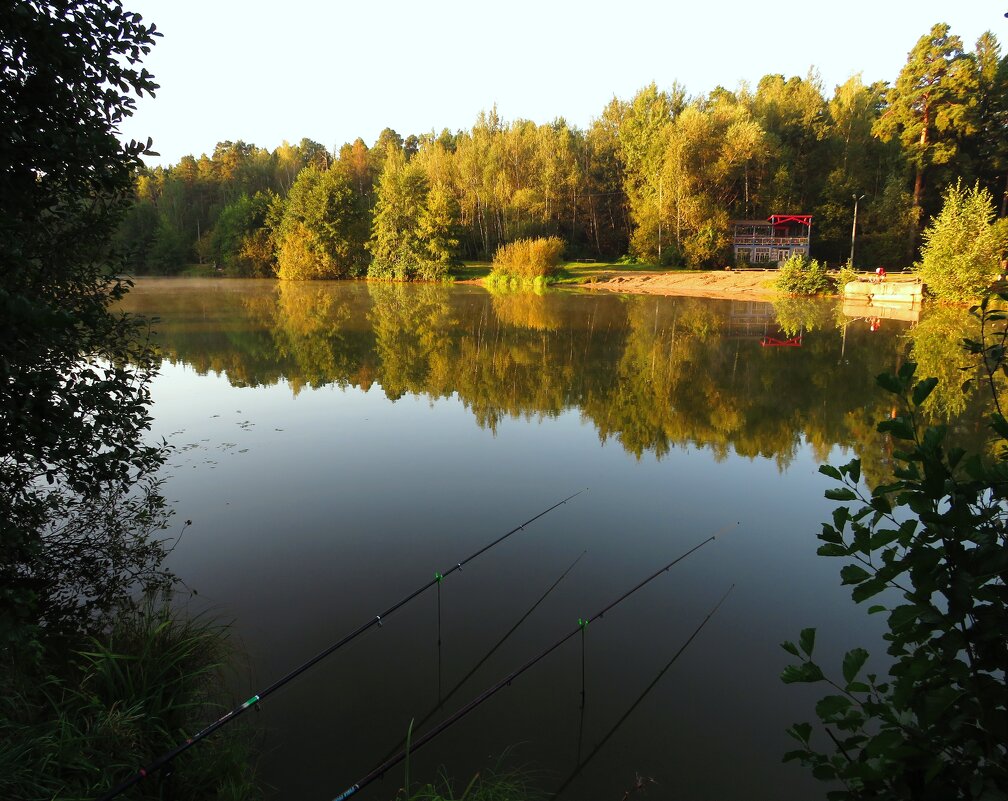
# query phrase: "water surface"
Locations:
[[339, 444]]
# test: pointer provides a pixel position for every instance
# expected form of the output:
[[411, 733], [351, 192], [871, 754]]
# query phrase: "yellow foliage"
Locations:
[[298, 257], [529, 258]]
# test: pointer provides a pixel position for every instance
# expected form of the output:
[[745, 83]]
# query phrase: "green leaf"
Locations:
[[801, 732], [896, 426], [829, 470], [854, 574], [824, 771], [866, 590], [906, 372], [889, 383], [853, 661], [883, 537], [840, 494], [791, 648], [876, 609], [922, 389], [832, 549], [831, 706], [807, 641]]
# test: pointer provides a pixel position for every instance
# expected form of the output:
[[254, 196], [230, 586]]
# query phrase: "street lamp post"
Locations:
[[853, 232]]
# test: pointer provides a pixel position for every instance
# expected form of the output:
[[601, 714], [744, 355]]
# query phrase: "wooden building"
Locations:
[[771, 241]]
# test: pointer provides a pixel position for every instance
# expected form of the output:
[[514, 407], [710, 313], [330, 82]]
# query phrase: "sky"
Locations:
[[265, 72]]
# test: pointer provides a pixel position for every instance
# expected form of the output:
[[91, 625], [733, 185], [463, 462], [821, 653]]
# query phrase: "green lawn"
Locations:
[[571, 272]]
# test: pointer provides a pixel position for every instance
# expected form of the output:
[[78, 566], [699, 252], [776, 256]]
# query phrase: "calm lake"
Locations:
[[339, 444]]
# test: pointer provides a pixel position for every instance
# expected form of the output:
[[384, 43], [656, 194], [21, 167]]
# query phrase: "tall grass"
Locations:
[[117, 702], [529, 259], [493, 784], [487, 785]]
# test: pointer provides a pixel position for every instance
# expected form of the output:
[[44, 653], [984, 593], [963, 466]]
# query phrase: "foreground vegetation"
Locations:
[[116, 701], [90, 682], [930, 543]]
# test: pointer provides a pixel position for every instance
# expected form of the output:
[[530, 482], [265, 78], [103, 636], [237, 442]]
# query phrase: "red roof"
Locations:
[[784, 219]]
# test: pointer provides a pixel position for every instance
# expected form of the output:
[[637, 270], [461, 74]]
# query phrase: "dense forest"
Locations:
[[655, 178]]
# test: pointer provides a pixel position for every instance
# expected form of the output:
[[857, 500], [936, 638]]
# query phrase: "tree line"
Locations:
[[655, 178]]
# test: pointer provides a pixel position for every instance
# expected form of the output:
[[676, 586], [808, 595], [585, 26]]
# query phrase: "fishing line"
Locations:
[[458, 686], [439, 578], [580, 765], [167, 757], [506, 681]]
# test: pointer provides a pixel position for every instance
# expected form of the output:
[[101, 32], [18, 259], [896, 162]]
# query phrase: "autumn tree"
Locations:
[[317, 235]]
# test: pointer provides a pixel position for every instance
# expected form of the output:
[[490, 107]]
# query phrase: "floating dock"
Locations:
[[902, 291]]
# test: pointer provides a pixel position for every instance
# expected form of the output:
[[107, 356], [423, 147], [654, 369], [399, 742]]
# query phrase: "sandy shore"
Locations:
[[730, 284]]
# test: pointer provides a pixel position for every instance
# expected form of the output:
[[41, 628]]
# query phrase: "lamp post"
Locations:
[[853, 232]]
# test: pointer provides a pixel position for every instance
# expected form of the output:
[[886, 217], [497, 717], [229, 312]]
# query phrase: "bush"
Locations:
[[529, 259], [844, 276], [801, 276], [933, 541], [962, 247]]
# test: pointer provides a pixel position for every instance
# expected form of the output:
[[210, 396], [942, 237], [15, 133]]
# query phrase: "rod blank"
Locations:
[[167, 757]]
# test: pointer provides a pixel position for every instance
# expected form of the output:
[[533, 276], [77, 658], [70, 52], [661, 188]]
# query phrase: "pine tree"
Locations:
[[932, 104]]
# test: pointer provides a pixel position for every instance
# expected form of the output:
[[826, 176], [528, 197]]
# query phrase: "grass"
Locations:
[[493, 784], [117, 701], [570, 273], [510, 785]]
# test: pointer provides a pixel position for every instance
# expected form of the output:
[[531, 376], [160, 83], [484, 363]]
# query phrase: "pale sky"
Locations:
[[264, 72]]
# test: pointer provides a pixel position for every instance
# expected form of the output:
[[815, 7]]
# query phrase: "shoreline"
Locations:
[[725, 284]]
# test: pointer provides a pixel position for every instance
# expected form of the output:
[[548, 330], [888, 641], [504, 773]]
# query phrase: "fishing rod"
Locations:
[[581, 765], [380, 771], [458, 686], [168, 756]]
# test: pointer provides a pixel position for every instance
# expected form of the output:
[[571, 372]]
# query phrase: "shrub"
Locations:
[[844, 276], [962, 246], [933, 540], [529, 259], [801, 276]]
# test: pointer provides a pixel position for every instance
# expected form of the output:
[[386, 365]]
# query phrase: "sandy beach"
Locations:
[[732, 284]]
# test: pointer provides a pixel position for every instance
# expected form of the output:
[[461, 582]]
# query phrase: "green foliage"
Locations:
[[318, 234], [413, 230], [963, 247], [121, 699], [529, 259], [236, 240], [930, 547], [802, 276], [931, 106], [489, 785], [79, 494], [844, 276]]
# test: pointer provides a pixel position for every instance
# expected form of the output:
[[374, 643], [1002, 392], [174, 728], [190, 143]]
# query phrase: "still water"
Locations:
[[339, 444]]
